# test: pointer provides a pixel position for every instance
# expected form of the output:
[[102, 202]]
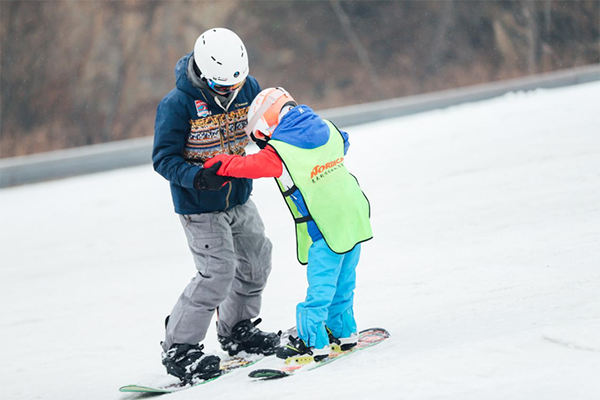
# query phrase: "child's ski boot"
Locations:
[[337, 345], [298, 353]]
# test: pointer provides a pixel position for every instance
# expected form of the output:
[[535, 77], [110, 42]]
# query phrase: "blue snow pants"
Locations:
[[329, 297]]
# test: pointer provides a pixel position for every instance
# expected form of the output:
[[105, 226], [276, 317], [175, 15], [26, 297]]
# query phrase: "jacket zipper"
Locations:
[[226, 139], [228, 134], [227, 198]]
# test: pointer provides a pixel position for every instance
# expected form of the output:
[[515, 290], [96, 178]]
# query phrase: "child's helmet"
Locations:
[[264, 112], [221, 57]]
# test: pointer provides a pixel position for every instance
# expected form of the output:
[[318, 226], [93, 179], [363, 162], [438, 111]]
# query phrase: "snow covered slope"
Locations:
[[485, 266]]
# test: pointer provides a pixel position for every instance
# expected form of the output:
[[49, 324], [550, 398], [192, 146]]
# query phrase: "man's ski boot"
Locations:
[[245, 336], [189, 363], [297, 352], [337, 345]]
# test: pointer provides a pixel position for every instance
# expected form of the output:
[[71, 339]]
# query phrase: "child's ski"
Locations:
[[367, 338]]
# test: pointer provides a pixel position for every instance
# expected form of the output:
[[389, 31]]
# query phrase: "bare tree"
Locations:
[[127, 56], [361, 51], [440, 39], [529, 10]]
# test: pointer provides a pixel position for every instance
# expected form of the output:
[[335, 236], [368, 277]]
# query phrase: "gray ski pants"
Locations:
[[233, 259]]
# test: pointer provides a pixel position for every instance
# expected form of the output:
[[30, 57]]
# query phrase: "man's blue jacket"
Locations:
[[192, 127]]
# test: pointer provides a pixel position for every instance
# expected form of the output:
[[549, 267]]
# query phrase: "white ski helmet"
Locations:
[[222, 59], [265, 112]]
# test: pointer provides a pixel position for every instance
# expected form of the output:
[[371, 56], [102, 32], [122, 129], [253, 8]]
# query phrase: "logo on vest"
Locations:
[[321, 171]]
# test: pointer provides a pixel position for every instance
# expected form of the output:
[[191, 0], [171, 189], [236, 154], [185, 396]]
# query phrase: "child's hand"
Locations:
[[265, 163], [223, 158]]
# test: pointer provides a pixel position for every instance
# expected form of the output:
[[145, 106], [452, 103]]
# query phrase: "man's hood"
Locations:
[[181, 79], [195, 87], [302, 127]]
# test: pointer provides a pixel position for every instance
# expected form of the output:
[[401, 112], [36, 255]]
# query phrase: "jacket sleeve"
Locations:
[[264, 164], [171, 131], [346, 141]]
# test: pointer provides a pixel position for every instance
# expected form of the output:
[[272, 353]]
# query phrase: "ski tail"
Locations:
[[366, 338], [267, 374]]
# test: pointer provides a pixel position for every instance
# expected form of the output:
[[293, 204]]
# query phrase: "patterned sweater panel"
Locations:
[[216, 134]]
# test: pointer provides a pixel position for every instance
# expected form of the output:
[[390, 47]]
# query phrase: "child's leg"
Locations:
[[322, 271], [341, 320]]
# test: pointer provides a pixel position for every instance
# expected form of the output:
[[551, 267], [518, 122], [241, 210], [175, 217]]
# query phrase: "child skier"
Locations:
[[306, 156]]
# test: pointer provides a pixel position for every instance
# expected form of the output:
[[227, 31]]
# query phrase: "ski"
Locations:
[[227, 366], [367, 338], [170, 384]]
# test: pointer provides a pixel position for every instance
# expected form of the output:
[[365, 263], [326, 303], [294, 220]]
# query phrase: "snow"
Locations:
[[484, 267]]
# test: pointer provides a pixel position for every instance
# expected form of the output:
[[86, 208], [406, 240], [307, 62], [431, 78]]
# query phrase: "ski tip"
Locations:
[[381, 331], [140, 389], [265, 374]]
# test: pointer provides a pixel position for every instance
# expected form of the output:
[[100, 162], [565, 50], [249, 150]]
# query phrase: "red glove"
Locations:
[[225, 160], [264, 164]]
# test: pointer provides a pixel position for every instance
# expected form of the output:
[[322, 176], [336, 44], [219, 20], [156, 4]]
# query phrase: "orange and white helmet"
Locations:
[[264, 113]]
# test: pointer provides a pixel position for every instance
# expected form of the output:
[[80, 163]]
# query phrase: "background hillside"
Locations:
[[82, 72]]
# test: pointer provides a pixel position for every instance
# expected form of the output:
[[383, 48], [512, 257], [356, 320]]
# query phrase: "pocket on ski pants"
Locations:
[[211, 248]]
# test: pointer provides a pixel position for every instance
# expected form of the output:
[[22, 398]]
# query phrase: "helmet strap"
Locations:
[[268, 102], [261, 143]]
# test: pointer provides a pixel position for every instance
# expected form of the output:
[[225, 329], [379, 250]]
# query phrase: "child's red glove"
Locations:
[[225, 159]]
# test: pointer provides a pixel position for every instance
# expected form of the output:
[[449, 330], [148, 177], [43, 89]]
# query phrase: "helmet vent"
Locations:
[[218, 62]]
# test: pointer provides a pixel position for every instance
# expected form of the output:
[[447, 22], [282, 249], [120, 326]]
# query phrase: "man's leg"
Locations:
[[253, 253], [323, 269], [341, 320], [209, 238]]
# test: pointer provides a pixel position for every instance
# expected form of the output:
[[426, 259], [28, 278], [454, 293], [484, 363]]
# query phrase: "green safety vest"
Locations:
[[332, 195]]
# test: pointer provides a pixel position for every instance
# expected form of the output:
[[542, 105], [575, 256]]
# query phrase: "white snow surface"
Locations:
[[485, 266]]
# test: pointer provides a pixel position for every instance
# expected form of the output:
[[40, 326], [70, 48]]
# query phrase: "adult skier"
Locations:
[[205, 115], [306, 155]]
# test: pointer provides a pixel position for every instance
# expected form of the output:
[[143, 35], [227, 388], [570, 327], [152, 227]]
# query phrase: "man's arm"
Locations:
[[264, 164], [170, 135]]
